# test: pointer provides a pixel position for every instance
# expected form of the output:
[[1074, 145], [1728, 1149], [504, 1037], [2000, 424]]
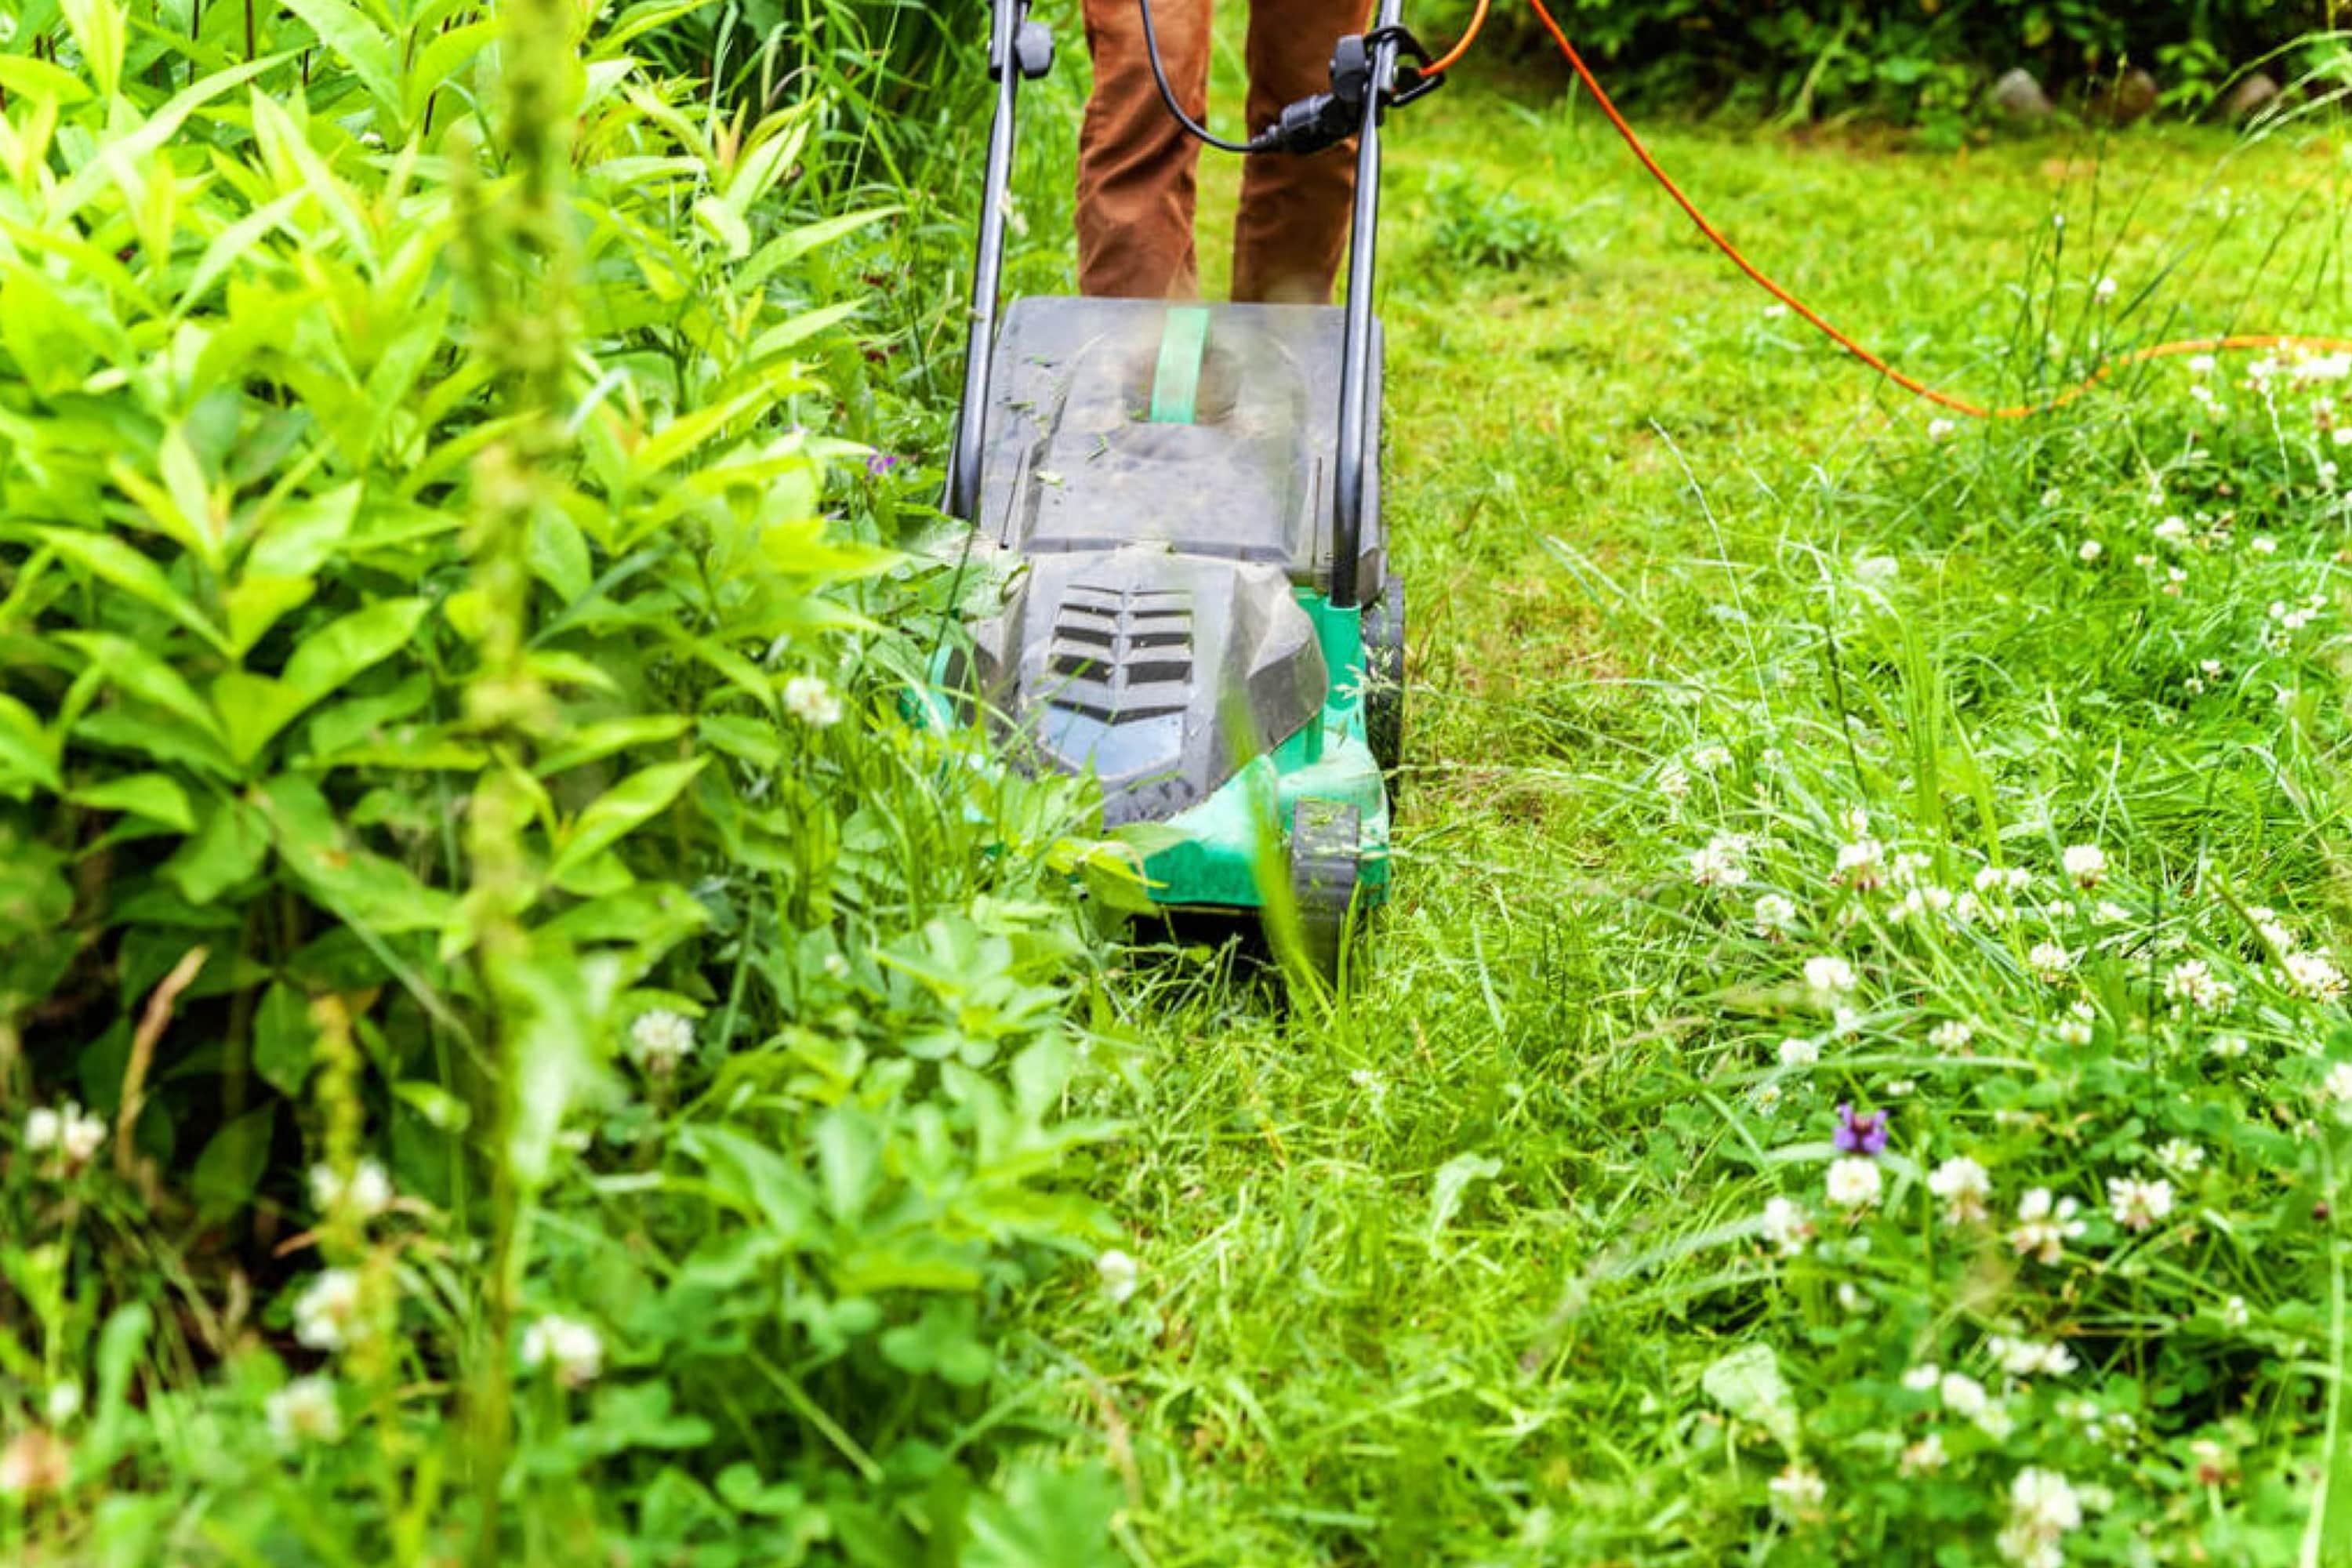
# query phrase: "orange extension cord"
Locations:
[[1909, 384]]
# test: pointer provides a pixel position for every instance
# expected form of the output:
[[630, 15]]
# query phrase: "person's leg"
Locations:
[[1293, 217], [1136, 164]]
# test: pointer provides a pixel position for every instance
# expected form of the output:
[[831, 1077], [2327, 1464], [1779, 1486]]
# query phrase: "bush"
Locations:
[[565, 1062], [1899, 57]]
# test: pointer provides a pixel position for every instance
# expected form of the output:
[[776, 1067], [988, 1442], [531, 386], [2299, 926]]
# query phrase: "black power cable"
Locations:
[[1168, 94]]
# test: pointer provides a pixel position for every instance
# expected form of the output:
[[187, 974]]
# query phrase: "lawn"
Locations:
[[1776, 746]]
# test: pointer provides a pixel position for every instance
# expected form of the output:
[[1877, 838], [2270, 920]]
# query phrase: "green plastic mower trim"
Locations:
[[1233, 841], [1176, 382]]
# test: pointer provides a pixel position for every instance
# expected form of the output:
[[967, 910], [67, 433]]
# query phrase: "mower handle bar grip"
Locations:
[[1009, 61]]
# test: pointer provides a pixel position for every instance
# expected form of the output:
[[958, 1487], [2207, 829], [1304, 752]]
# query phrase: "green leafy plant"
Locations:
[[461, 844]]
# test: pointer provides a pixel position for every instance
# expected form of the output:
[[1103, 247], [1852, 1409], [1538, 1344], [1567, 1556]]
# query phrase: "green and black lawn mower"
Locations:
[[1200, 611]]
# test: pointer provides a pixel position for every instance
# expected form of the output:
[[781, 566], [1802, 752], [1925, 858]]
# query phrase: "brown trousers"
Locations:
[[1136, 165]]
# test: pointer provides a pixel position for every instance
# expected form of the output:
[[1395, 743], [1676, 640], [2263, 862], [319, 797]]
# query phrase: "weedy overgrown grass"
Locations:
[[1856, 1069]]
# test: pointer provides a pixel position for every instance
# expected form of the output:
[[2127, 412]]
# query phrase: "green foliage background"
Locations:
[[1905, 58]]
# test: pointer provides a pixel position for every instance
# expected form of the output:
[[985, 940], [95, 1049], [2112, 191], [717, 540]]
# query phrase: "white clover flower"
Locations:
[[809, 699], [1372, 1083], [1797, 1493], [1923, 1377], [2181, 1157], [2073, 1030], [2173, 531], [1766, 1097], [659, 1040], [1786, 1226], [367, 1195], [2104, 290], [573, 1350], [1924, 1458], [2201, 364], [1963, 1396], [2137, 1203], [1829, 975], [2338, 1083], [43, 1128], [73, 1134], [1722, 863], [62, 1402], [1899, 1087], [2031, 1358], [2090, 550], [1672, 782], [1952, 1035], [1855, 1183], [2192, 984], [1797, 1053], [2050, 962], [1860, 865], [1965, 1188], [2275, 933], [1776, 916], [2262, 544], [2041, 1508], [2044, 1226], [2084, 864], [327, 1312], [2236, 1315], [1940, 429], [2312, 976], [305, 1411], [1710, 759], [1120, 1274]]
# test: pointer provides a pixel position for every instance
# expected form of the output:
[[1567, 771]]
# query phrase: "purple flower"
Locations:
[[1862, 1133], [880, 463]]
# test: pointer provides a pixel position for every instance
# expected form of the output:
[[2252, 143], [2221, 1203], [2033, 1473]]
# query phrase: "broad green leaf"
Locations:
[[134, 670], [21, 76], [295, 161], [253, 708], [620, 810], [296, 538], [227, 849], [27, 748], [341, 650], [112, 562], [754, 1179], [563, 1001], [1748, 1384], [559, 556], [440, 60], [849, 1160], [284, 1039], [799, 330], [373, 53], [723, 223], [158, 797], [791, 245], [98, 27], [228, 1173], [257, 602], [163, 509], [601, 739], [369, 891]]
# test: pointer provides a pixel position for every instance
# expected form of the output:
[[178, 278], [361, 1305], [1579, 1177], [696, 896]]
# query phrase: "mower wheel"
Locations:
[[1325, 854], [1384, 678]]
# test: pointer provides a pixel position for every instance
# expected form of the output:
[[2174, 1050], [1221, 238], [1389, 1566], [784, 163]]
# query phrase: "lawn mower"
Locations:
[[1199, 609]]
